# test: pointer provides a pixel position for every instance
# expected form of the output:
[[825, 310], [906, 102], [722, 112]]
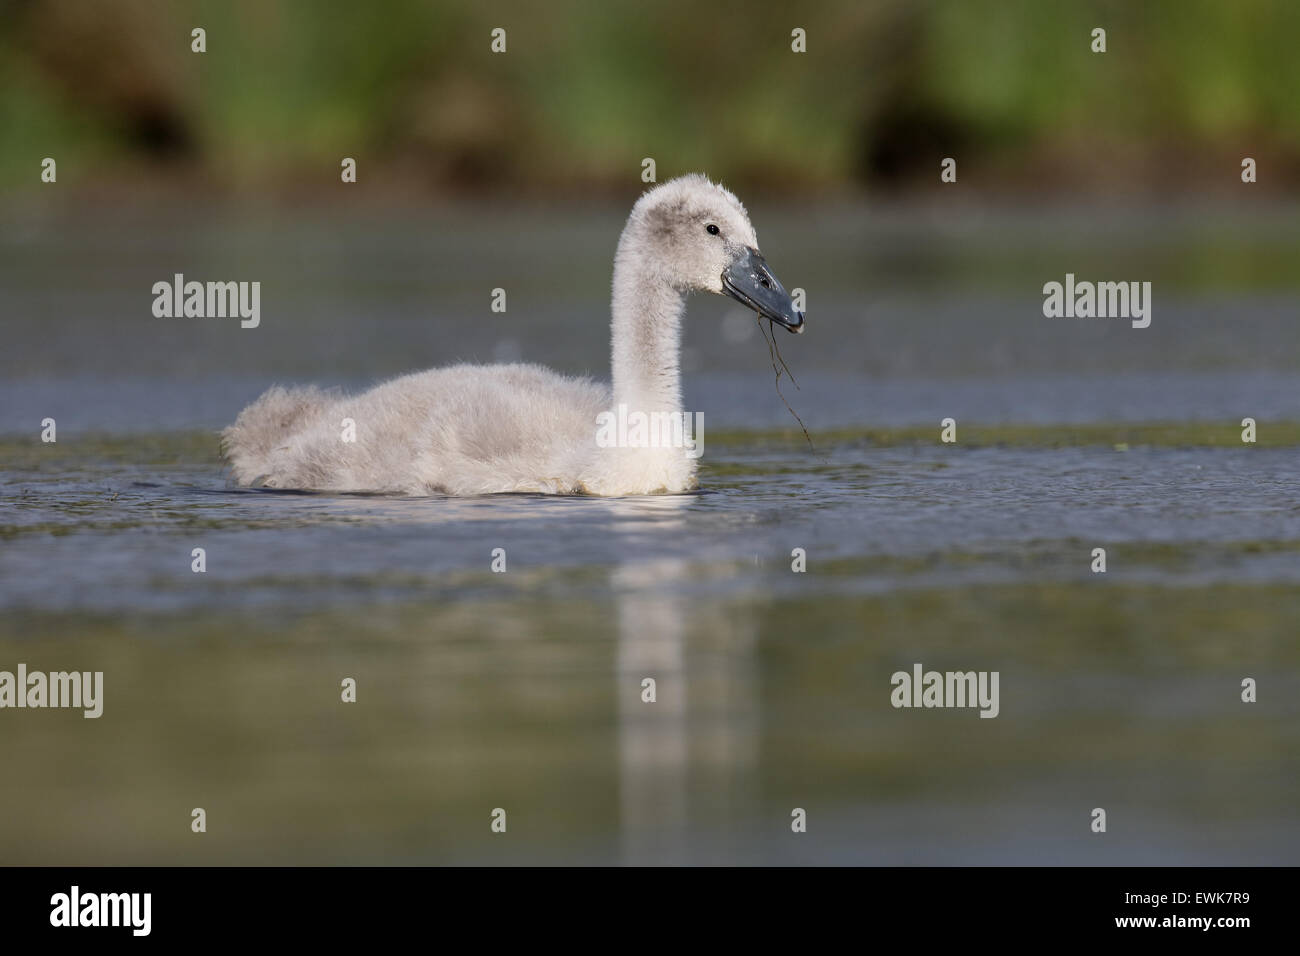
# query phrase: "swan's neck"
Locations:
[[645, 336]]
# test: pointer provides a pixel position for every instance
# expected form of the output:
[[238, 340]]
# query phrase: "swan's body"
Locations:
[[484, 429]]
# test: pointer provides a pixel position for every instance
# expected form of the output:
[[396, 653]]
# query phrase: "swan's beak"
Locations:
[[750, 282]]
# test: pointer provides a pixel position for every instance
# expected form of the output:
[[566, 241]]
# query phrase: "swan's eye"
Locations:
[[712, 229]]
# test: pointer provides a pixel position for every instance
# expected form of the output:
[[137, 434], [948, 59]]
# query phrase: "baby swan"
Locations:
[[485, 429]]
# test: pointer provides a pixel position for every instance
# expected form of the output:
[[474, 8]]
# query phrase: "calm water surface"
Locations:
[[522, 690]]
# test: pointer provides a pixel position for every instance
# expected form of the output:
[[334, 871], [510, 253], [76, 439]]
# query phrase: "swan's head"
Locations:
[[697, 236]]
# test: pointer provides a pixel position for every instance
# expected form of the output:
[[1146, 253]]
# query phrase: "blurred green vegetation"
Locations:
[[586, 90]]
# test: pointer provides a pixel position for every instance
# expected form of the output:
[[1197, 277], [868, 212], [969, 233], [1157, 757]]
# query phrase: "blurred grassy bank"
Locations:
[[586, 90]]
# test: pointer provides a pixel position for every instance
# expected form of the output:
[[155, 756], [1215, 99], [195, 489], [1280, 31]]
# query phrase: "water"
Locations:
[[522, 690]]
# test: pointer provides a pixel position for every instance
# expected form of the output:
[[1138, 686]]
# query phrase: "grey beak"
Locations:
[[750, 282]]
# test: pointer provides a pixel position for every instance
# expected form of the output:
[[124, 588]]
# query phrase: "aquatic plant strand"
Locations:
[[774, 353]]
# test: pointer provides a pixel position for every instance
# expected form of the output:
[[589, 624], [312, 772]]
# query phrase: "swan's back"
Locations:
[[461, 430]]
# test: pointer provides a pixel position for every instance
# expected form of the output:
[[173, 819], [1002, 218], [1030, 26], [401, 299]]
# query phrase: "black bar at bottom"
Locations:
[[330, 905]]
